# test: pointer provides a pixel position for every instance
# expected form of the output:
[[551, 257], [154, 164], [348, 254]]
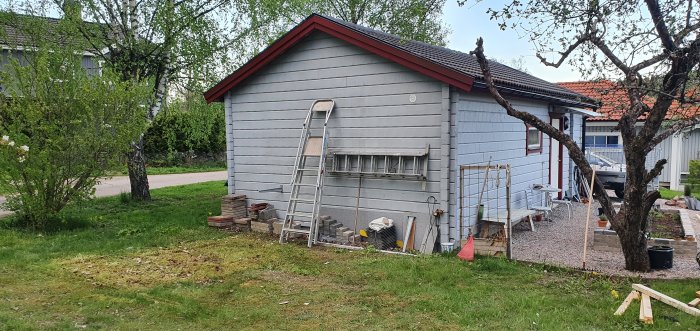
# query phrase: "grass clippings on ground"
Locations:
[[157, 266]]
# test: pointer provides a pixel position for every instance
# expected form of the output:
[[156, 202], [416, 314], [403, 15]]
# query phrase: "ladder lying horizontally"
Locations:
[[304, 193], [403, 164]]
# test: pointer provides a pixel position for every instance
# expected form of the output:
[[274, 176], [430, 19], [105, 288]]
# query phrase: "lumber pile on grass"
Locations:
[[644, 293]]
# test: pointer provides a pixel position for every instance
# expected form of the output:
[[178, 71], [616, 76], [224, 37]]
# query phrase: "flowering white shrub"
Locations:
[[67, 134]]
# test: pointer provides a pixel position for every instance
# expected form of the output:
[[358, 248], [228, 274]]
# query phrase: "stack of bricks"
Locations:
[[220, 221], [332, 228], [234, 206]]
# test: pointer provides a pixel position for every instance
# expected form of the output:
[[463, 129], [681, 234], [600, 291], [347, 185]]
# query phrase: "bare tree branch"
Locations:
[[660, 25], [575, 152], [565, 54], [649, 62], [656, 171]]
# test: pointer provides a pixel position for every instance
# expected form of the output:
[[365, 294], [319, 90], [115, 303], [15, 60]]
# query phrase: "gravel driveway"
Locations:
[[560, 242]]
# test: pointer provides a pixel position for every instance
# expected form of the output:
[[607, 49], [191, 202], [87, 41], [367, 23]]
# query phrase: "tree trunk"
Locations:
[[136, 163], [631, 223], [634, 247]]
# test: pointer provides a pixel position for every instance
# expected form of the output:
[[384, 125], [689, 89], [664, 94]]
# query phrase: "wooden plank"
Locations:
[[666, 299], [634, 295], [408, 242], [645, 310], [694, 303]]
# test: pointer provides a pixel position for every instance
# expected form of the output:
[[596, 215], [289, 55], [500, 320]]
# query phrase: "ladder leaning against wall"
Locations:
[[305, 197]]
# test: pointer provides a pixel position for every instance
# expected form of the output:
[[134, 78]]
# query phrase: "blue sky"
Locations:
[[471, 21]]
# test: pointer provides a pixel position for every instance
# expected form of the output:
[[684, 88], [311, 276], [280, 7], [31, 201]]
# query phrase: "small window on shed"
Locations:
[[534, 140]]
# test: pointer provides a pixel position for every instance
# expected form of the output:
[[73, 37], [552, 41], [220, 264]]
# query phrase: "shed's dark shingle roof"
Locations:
[[453, 67], [503, 75]]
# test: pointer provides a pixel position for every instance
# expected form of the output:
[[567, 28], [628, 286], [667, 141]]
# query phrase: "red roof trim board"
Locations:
[[317, 23]]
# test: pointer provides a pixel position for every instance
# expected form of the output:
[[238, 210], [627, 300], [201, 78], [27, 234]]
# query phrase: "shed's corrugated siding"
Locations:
[[373, 111], [691, 148], [664, 151], [690, 151]]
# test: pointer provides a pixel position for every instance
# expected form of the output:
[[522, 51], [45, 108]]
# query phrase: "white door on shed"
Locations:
[[555, 160]]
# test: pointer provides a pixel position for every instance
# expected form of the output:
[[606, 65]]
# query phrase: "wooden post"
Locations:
[[357, 204], [588, 219]]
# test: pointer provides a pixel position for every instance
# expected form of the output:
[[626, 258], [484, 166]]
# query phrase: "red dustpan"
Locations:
[[467, 251]]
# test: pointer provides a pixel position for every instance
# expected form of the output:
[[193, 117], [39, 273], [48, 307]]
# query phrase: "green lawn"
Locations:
[[670, 194], [183, 170], [157, 266], [174, 170]]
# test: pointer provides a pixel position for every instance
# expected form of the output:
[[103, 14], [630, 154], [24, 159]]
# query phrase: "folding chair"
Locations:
[[563, 202], [538, 208]]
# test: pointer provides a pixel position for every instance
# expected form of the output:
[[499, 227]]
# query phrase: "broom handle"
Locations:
[[588, 217]]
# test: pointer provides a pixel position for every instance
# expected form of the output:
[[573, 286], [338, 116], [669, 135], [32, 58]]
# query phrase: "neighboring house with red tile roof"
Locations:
[[601, 136], [392, 97]]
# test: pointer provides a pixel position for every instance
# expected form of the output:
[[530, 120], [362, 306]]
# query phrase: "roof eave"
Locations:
[[539, 96], [317, 23]]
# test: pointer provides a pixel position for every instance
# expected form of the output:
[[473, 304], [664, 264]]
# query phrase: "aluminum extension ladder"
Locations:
[[311, 146]]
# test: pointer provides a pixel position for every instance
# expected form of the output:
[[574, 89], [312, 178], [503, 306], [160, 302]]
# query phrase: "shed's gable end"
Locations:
[[317, 23]]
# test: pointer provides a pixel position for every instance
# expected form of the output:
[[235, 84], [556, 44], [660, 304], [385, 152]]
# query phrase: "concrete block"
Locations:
[[329, 222], [688, 230], [277, 227], [242, 221], [262, 227]]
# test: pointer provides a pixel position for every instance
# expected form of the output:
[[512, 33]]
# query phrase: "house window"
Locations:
[[602, 141], [533, 140]]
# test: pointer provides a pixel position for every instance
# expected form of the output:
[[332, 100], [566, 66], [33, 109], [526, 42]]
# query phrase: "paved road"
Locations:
[[119, 184]]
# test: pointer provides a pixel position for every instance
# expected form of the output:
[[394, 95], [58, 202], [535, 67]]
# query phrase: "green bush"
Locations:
[[61, 129], [694, 172], [186, 131]]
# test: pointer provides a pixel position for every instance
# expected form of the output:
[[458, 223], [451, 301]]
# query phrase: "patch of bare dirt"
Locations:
[[664, 224]]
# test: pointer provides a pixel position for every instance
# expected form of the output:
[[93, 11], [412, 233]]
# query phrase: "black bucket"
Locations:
[[660, 257]]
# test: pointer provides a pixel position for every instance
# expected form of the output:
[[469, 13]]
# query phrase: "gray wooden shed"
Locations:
[[391, 95]]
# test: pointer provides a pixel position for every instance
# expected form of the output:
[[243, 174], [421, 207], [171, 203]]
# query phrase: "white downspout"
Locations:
[[675, 161], [445, 164], [228, 101]]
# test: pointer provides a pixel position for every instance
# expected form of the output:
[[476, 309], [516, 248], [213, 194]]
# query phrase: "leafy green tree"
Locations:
[[411, 19], [186, 127], [62, 127], [164, 43], [630, 41]]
